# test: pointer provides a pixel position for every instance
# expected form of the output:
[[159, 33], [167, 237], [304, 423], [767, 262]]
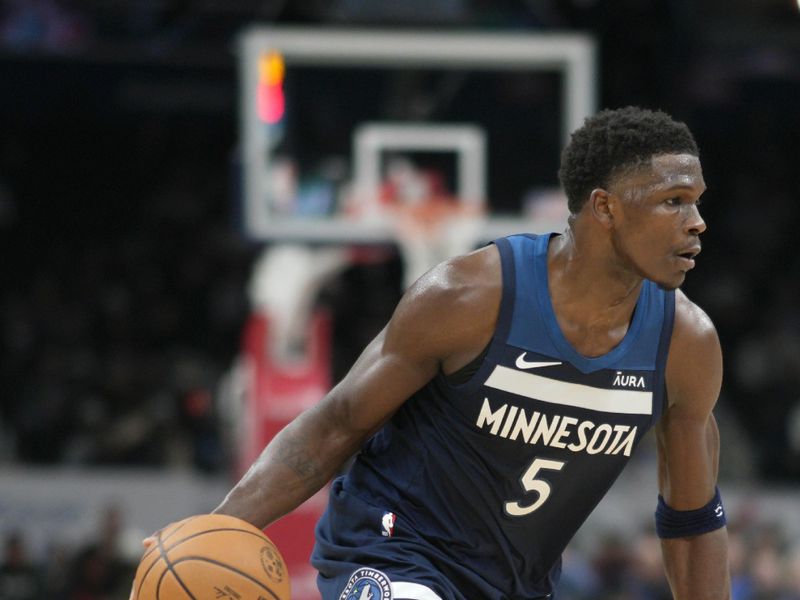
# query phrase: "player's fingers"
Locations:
[[149, 542]]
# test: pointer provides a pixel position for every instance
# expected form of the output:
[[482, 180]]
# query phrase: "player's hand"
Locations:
[[148, 542]]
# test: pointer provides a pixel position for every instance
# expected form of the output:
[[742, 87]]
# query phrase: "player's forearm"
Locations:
[[292, 468], [697, 567]]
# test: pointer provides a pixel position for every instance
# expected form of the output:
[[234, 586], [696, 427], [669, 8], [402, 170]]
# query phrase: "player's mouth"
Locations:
[[686, 257]]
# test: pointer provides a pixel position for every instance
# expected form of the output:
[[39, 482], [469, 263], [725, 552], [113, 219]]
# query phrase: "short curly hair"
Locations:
[[615, 140]]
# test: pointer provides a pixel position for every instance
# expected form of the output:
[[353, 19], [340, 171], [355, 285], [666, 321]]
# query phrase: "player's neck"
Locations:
[[586, 288]]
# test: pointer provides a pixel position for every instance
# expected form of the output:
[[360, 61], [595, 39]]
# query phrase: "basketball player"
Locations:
[[510, 388]]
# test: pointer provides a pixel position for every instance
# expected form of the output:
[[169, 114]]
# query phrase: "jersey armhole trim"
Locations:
[[660, 384]]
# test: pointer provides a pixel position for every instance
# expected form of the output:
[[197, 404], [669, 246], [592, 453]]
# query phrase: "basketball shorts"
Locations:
[[358, 557], [367, 582]]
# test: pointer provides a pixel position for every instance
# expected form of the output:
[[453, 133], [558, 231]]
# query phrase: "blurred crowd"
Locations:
[[764, 566], [113, 339], [97, 569]]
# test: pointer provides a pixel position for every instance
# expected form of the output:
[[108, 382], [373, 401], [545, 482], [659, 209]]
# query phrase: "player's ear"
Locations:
[[602, 204]]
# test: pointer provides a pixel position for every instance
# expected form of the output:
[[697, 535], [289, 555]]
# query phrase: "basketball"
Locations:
[[209, 557]]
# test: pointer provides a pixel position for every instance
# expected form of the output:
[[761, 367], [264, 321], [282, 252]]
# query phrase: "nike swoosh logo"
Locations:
[[527, 364]]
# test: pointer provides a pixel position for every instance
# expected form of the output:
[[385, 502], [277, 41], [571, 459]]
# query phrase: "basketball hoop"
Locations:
[[433, 229]]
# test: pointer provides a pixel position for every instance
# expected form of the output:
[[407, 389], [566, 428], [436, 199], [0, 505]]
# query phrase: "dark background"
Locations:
[[122, 297], [124, 272]]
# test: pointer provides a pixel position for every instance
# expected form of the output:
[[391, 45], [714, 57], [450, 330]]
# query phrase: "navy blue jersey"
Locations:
[[475, 489]]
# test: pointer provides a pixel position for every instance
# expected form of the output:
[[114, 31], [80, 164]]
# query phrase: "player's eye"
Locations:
[[676, 201]]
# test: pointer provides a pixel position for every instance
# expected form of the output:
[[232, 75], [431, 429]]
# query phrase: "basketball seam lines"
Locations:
[[169, 567], [160, 546], [171, 533], [229, 567], [205, 531], [156, 547]]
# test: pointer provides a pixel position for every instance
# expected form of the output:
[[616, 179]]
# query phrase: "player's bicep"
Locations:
[[433, 320], [688, 438], [445, 319], [379, 382]]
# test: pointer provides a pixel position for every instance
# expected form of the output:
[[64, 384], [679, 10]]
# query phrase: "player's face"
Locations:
[[657, 224]]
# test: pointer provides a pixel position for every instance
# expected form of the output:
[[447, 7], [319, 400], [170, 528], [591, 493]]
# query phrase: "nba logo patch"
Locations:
[[367, 584], [387, 524]]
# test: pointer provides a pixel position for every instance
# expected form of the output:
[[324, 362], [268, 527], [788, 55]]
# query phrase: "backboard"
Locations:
[[326, 114]]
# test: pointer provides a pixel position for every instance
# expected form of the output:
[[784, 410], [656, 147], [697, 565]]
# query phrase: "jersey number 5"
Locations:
[[531, 484]]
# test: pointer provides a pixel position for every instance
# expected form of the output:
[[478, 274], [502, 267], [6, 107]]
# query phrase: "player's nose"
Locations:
[[694, 223]]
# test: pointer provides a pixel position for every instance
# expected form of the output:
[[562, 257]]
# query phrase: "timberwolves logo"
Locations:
[[367, 584]]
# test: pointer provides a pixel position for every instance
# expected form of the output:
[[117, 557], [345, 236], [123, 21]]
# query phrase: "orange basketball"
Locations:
[[211, 557]]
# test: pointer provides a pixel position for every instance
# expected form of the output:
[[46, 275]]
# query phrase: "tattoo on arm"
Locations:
[[294, 454]]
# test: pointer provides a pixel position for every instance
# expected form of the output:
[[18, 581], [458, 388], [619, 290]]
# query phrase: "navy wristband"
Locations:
[[671, 523]]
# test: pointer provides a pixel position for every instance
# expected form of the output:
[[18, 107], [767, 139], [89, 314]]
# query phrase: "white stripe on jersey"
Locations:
[[405, 590], [540, 388]]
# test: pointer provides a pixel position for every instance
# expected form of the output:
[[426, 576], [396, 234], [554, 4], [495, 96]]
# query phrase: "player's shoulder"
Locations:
[[454, 305], [694, 364], [692, 324], [462, 280]]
